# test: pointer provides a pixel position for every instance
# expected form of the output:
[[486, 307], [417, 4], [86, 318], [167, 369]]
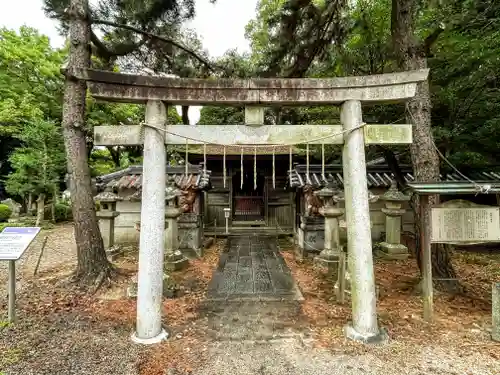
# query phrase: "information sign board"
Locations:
[[455, 225], [15, 240]]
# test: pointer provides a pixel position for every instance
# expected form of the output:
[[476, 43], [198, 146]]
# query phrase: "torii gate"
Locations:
[[349, 92]]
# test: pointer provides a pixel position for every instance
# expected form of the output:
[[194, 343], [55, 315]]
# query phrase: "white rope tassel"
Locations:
[[224, 166], [274, 168], [255, 168], [241, 178], [307, 160], [204, 159], [323, 160], [186, 158]]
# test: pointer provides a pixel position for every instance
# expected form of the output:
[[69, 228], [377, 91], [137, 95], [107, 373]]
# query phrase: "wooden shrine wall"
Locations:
[[279, 203]]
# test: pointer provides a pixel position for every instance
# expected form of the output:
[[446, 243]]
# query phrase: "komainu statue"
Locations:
[[188, 198], [312, 202]]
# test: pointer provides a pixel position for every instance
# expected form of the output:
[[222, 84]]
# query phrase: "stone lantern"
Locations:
[[329, 256], [394, 200], [174, 259], [107, 215]]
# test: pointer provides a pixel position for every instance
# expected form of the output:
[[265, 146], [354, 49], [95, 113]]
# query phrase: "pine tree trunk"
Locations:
[[92, 266], [411, 55], [40, 209]]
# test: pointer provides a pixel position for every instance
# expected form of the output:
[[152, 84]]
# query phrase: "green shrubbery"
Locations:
[[5, 212], [62, 212]]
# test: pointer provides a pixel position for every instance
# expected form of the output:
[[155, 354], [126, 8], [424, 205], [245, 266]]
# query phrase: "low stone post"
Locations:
[[329, 256], [310, 236], [495, 312], [392, 248], [106, 216], [174, 259], [190, 235]]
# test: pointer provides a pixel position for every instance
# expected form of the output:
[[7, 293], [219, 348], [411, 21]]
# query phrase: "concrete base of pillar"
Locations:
[[175, 261], [393, 251], [380, 338], [154, 340]]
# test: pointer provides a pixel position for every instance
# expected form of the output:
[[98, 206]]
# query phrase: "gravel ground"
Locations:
[[264, 339], [67, 344], [60, 333], [291, 356]]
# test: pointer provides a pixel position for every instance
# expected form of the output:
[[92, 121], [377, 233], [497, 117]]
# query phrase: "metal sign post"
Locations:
[[13, 243]]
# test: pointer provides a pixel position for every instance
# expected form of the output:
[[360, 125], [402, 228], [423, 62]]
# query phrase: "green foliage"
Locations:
[[30, 85], [465, 83], [287, 36], [99, 113], [210, 115], [62, 212], [39, 164], [464, 66], [5, 212], [30, 79]]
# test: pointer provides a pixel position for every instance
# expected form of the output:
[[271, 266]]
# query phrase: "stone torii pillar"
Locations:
[[364, 325], [149, 328]]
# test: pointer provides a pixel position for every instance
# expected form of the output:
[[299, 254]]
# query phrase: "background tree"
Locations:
[[92, 266], [288, 39], [111, 30], [38, 165], [30, 85]]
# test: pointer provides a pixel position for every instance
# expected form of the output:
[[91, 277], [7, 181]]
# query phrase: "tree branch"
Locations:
[[185, 114], [157, 37], [431, 39], [393, 164]]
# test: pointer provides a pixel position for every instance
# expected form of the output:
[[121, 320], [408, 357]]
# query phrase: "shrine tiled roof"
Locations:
[[377, 176], [131, 178]]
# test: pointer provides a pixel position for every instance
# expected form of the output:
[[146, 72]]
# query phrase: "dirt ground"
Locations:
[[61, 330]]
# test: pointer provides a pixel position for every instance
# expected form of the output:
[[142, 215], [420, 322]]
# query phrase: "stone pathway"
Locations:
[[251, 268]]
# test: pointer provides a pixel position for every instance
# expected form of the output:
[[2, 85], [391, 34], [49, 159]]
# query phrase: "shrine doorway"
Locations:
[[249, 198]]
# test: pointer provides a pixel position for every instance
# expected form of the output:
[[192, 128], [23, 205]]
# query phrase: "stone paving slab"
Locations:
[[251, 268]]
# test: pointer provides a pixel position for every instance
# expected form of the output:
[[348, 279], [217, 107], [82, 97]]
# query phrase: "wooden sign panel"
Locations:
[[465, 225], [388, 134]]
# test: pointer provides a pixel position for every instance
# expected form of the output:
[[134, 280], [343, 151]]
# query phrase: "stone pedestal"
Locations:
[[328, 258], [174, 259], [392, 248], [190, 235], [311, 236], [106, 216]]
